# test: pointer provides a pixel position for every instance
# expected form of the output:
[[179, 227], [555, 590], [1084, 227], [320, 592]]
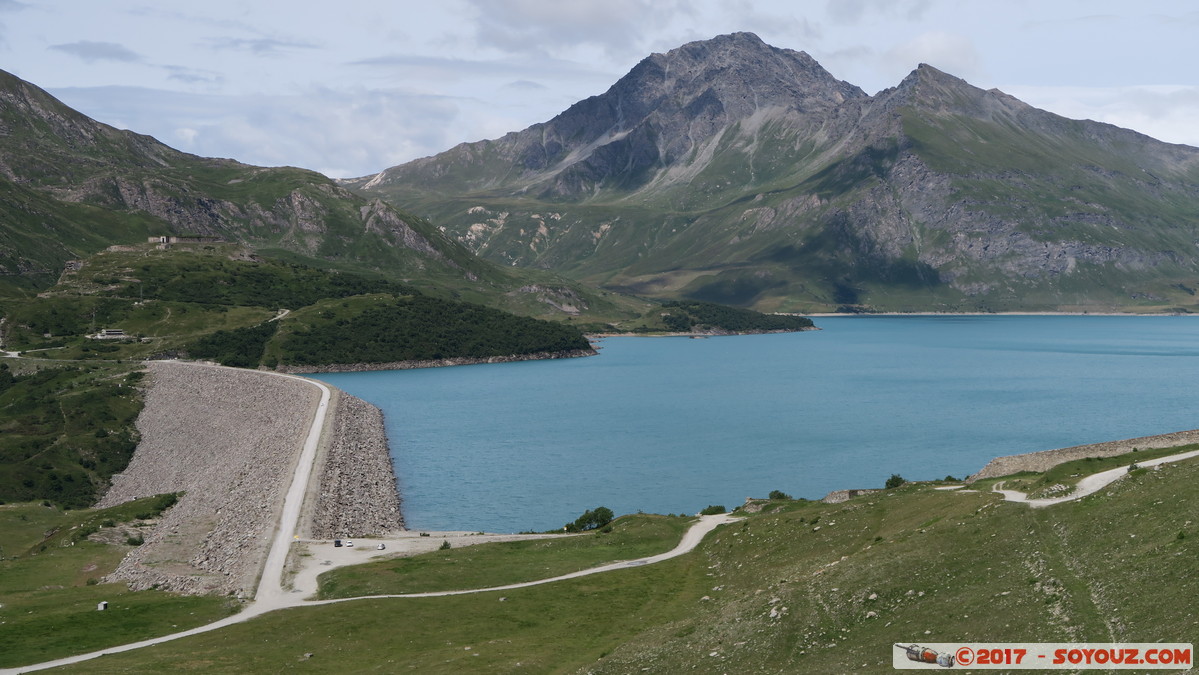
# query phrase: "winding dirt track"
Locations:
[[1089, 485]]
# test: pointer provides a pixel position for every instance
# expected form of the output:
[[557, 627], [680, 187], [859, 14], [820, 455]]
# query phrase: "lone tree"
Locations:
[[779, 494], [894, 481], [591, 520]]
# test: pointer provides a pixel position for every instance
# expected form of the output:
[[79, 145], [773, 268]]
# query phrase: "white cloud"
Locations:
[[952, 53], [614, 27], [854, 11], [92, 52], [339, 132], [259, 46], [191, 76], [187, 138]]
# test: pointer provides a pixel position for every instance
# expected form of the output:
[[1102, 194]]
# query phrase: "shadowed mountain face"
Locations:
[[731, 171]]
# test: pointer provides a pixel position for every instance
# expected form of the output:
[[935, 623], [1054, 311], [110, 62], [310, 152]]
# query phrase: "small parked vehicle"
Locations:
[[349, 544], [381, 547]]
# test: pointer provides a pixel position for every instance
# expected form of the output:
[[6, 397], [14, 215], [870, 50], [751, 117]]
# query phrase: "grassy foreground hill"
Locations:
[[798, 587]]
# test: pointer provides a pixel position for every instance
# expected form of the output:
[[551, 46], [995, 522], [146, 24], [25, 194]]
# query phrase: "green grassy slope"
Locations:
[[800, 587], [49, 573], [65, 430], [629, 537]]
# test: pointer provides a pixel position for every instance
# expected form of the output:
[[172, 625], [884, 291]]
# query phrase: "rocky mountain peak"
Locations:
[[668, 106], [738, 71], [939, 93]]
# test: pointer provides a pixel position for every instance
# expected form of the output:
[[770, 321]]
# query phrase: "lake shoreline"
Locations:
[[433, 363], [702, 334], [820, 358], [868, 314]]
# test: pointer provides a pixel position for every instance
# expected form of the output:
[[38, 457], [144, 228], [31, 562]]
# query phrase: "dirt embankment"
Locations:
[[1047, 459], [355, 495], [229, 440]]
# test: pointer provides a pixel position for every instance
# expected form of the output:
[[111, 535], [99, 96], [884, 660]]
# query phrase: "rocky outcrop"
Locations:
[[838, 496], [357, 493], [1047, 459], [434, 363]]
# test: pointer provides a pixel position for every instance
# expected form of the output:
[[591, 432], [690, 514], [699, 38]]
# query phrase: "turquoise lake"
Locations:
[[670, 425]]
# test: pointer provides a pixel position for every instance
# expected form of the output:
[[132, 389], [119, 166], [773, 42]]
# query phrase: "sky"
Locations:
[[351, 87]]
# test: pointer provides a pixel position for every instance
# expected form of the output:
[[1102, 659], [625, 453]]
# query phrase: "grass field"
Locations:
[[506, 563], [49, 586], [801, 587]]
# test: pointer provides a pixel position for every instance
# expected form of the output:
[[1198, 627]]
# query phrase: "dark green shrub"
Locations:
[[894, 481], [712, 510], [591, 520], [779, 494]]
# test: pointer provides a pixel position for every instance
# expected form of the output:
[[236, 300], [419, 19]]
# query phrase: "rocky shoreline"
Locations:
[[356, 493], [714, 332], [433, 363]]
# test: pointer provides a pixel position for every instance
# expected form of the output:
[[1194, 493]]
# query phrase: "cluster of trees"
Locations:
[[592, 519], [262, 283], [64, 458], [419, 327], [240, 348], [692, 315]]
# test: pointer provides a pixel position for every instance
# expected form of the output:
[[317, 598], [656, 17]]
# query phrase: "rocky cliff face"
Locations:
[[732, 171]]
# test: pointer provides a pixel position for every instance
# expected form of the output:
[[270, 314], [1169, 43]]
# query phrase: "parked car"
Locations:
[[349, 544], [381, 547]]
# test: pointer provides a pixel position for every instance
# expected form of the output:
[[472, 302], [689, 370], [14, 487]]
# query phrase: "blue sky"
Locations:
[[351, 87]]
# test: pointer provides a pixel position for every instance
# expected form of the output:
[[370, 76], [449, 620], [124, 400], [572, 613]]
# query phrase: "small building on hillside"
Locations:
[[185, 239]]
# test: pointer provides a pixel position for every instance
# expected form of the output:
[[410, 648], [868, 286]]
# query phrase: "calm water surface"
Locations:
[[671, 425]]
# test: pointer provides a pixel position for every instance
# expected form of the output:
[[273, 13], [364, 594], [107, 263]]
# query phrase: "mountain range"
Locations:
[[728, 170], [71, 186], [725, 170]]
